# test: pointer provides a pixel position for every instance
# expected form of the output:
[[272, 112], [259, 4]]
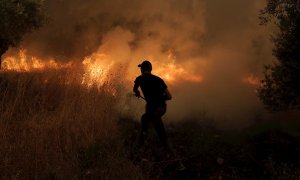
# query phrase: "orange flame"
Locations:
[[23, 63], [251, 79], [173, 72], [96, 69]]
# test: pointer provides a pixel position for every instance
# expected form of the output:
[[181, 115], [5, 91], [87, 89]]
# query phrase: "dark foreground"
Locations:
[[260, 152]]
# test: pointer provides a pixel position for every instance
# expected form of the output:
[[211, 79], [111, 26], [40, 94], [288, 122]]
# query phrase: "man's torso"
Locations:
[[153, 89]]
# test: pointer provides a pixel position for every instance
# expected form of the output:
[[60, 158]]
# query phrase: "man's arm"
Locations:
[[167, 94], [136, 90]]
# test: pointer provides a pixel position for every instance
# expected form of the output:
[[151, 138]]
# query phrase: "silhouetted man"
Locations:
[[156, 93]]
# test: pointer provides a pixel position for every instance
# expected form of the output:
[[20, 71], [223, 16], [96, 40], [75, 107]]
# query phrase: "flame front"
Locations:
[[172, 72], [96, 70], [24, 63], [96, 66]]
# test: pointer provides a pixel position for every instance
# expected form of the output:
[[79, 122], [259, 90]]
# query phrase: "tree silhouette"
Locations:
[[17, 17], [280, 88]]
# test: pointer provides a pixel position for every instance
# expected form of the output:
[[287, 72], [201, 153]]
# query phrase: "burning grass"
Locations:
[[52, 127]]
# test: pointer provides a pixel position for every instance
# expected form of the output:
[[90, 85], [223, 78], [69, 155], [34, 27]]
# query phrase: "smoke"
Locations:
[[220, 40]]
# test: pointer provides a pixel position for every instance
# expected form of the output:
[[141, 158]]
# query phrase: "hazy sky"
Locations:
[[220, 40]]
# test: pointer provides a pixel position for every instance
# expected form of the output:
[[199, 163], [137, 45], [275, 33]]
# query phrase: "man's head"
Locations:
[[146, 67]]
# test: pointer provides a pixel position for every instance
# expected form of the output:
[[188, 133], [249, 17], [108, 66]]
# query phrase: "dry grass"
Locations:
[[53, 127]]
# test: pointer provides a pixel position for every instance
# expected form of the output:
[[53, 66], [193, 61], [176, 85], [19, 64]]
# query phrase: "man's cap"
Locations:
[[145, 65]]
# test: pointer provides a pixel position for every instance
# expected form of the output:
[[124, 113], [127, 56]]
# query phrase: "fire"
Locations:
[[173, 72], [96, 69], [251, 79], [23, 63]]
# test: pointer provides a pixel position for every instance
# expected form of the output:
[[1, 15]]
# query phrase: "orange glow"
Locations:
[[96, 69], [251, 79], [23, 63], [96, 66], [172, 72]]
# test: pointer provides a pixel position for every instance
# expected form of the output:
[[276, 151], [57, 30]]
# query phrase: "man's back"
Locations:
[[153, 89]]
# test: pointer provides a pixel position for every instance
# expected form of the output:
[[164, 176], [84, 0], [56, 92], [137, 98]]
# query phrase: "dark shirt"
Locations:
[[153, 89]]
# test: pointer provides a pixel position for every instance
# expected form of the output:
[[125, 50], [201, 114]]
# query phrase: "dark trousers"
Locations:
[[152, 116]]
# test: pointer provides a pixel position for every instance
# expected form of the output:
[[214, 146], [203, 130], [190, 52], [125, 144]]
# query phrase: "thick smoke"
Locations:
[[220, 40]]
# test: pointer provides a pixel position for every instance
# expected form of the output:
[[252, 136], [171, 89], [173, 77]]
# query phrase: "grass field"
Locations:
[[52, 127]]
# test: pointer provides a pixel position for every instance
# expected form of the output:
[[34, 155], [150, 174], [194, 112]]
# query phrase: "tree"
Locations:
[[17, 17], [280, 88]]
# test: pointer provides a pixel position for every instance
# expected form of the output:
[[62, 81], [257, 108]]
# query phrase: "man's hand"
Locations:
[[167, 95], [137, 94], [136, 90]]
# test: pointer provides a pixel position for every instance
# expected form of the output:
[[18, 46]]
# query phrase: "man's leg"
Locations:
[[160, 130], [144, 128], [158, 124]]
